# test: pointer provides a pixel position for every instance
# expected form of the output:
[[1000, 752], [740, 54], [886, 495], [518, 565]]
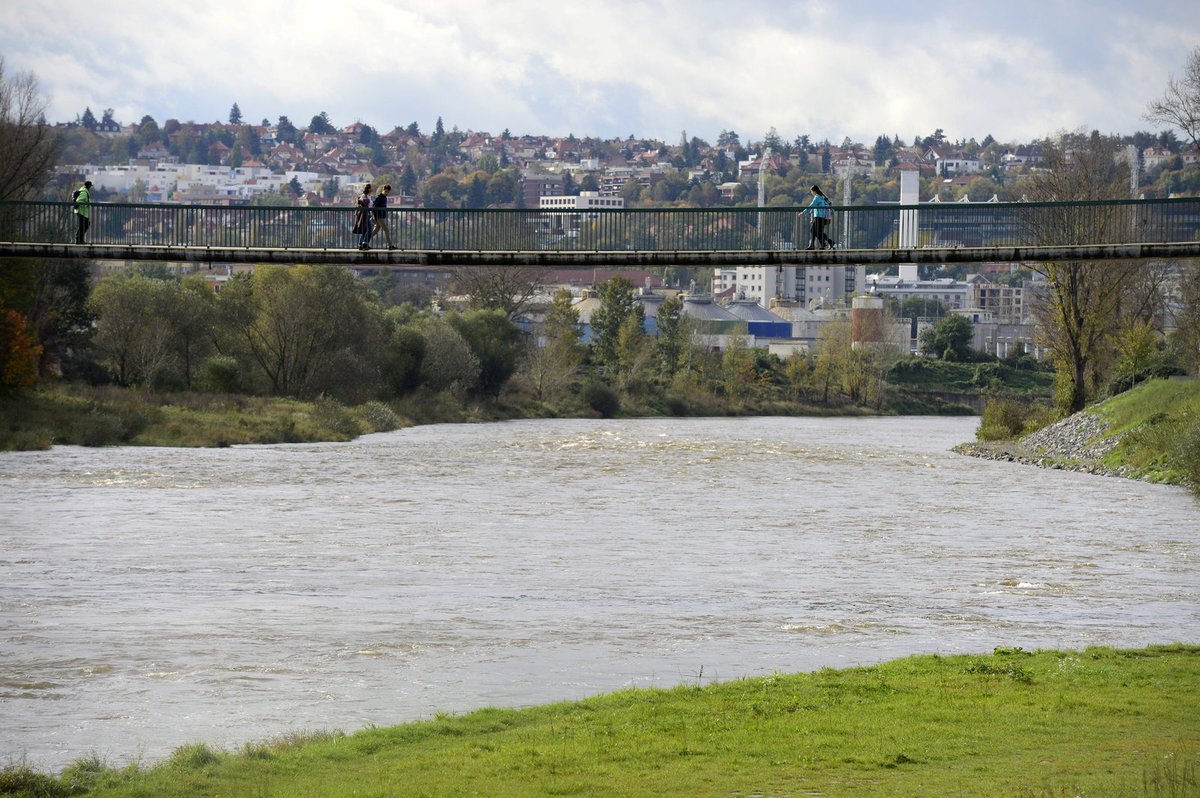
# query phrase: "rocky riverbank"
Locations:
[[1077, 443]]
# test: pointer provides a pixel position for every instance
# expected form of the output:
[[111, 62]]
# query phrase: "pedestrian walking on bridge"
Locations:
[[83, 210]]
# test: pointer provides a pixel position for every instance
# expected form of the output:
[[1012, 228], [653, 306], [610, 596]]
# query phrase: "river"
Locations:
[[152, 597]]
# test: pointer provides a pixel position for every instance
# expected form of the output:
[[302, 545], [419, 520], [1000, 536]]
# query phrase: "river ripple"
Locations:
[[154, 597]]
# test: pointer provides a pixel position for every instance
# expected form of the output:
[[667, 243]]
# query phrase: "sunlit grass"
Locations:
[[1100, 722]]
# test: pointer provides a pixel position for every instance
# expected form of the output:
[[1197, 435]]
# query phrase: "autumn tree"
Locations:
[[41, 301], [19, 353]]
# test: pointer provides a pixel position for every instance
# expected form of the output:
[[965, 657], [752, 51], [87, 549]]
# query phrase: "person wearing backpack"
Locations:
[[822, 212], [83, 209]]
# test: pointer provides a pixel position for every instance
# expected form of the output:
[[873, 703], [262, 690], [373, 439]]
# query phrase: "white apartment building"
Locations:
[[569, 224], [809, 286]]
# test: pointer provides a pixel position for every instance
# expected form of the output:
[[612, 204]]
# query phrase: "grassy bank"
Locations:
[[1158, 425], [1101, 722], [106, 416], [1150, 432]]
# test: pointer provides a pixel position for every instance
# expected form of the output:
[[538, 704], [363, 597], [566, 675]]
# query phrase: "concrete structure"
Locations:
[[815, 286], [910, 194], [953, 294]]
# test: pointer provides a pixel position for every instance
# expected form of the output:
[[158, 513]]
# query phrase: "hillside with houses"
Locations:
[[321, 165]]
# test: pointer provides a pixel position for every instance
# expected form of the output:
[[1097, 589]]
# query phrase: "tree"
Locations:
[[728, 139], [674, 335], [285, 131], [492, 339], [449, 365], [617, 303], [235, 115], [408, 181], [301, 327], [192, 313], [19, 353], [1180, 104], [28, 146], [508, 289], [1186, 315], [949, 339], [132, 334], [320, 124], [552, 364], [148, 132], [1079, 306]]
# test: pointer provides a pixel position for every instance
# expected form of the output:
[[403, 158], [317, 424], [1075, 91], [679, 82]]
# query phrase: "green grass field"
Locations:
[[1100, 722]]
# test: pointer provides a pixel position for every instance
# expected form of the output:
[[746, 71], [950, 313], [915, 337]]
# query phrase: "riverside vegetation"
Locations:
[[306, 353], [1093, 723], [1150, 432]]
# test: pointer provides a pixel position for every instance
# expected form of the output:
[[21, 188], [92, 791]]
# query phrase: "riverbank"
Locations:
[[1151, 432], [78, 414], [1098, 722]]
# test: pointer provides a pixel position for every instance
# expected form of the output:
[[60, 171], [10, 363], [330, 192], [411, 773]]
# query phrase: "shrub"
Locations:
[[328, 414], [85, 774], [1006, 419], [1185, 452], [676, 404], [378, 416], [194, 756], [601, 398], [220, 374], [100, 429], [23, 780]]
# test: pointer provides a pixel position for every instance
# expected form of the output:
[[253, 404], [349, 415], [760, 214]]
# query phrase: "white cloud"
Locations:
[[619, 67]]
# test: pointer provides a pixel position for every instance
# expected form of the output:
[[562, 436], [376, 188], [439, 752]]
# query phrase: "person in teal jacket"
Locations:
[[822, 214], [83, 210]]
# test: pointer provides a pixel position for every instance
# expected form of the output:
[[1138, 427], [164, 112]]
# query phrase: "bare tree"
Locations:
[[506, 288], [1081, 302], [1185, 313], [28, 146], [1180, 104]]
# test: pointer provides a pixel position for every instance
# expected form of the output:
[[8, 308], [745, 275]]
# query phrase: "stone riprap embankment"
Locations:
[[1074, 444]]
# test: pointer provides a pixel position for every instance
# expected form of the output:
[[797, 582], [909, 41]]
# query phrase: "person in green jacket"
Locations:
[[83, 208]]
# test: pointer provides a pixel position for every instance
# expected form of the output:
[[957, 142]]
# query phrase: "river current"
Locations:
[[153, 597]]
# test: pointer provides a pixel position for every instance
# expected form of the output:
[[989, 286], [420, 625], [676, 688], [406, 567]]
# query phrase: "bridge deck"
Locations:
[[450, 258], [927, 233]]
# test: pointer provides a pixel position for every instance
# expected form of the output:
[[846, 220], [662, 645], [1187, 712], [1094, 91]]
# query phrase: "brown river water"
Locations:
[[154, 597]]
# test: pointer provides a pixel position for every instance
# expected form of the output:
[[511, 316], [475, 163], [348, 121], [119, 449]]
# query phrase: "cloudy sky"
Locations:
[[651, 68]]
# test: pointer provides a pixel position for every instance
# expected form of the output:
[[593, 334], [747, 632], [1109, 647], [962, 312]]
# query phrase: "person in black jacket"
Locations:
[[380, 205]]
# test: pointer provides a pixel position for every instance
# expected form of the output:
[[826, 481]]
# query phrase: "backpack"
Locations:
[[75, 195]]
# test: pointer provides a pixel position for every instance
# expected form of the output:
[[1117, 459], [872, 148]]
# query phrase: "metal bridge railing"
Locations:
[[872, 227]]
